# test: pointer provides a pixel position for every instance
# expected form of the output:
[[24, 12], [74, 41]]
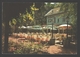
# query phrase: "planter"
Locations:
[[52, 42], [66, 43]]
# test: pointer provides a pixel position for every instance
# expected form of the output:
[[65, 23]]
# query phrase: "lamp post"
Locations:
[[67, 26], [67, 40], [52, 40]]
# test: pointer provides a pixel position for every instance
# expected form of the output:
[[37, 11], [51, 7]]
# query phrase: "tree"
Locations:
[[46, 6], [33, 10], [71, 12]]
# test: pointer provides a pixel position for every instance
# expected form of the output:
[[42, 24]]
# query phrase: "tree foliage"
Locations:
[[71, 12], [37, 14], [70, 9]]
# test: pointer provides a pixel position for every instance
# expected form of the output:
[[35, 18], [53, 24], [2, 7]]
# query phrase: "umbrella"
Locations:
[[64, 27]]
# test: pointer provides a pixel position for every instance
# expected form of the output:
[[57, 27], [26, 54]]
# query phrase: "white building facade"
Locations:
[[53, 16]]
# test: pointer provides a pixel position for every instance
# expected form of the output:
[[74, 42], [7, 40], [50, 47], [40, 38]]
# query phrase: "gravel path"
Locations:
[[58, 49]]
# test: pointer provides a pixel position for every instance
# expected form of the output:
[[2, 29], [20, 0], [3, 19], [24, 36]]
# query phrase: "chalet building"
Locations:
[[53, 16]]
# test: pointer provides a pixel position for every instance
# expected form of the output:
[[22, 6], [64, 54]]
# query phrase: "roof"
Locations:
[[54, 11]]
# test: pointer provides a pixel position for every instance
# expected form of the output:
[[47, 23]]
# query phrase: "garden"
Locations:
[[37, 43], [35, 28]]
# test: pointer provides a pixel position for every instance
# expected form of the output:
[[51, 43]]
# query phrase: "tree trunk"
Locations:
[[6, 36]]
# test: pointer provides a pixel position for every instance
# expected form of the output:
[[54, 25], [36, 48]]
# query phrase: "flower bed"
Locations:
[[26, 47]]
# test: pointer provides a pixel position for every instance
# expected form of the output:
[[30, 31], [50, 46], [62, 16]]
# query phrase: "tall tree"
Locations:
[[71, 11], [46, 6]]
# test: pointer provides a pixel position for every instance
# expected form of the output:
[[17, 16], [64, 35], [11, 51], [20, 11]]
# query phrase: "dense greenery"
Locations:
[[36, 15], [71, 13]]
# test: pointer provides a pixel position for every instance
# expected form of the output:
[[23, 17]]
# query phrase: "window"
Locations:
[[58, 20], [54, 20], [63, 20]]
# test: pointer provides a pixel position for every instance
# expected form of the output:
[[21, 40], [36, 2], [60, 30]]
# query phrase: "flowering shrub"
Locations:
[[28, 48]]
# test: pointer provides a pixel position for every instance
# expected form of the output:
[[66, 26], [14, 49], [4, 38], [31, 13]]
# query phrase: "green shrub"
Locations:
[[28, 48]]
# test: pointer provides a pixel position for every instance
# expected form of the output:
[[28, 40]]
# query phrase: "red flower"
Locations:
[[46, 39]]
